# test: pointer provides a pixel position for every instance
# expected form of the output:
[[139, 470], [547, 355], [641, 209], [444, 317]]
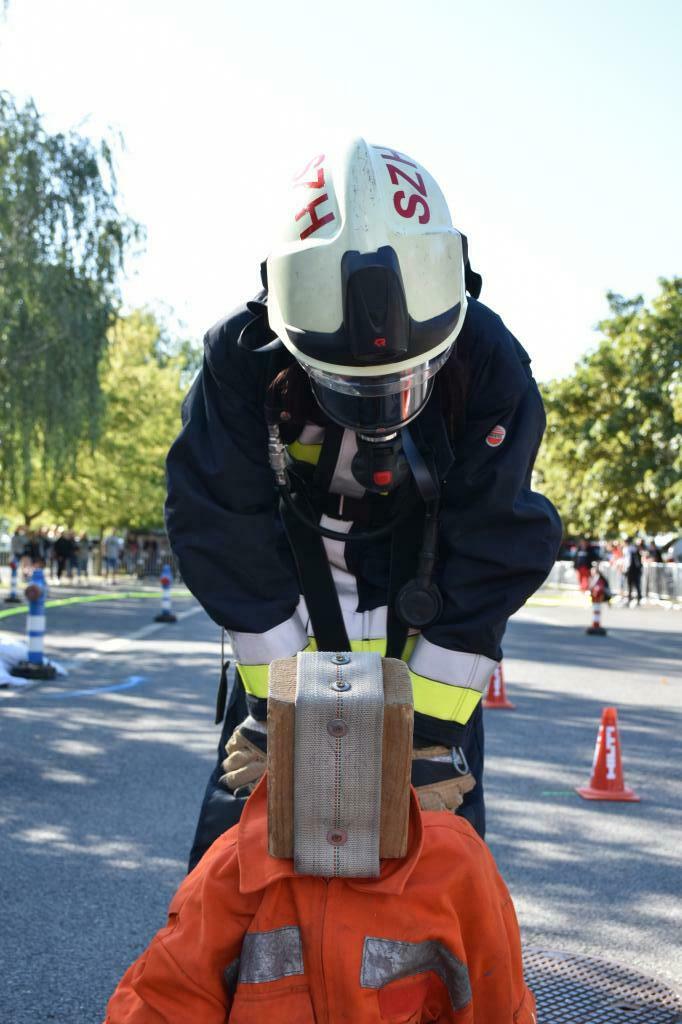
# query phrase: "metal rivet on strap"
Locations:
[[337, 727], [340, 685], [341, 659], [337, 836]]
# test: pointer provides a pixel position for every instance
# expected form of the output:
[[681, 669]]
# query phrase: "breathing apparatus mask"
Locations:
[[377, 409], [366, 289]]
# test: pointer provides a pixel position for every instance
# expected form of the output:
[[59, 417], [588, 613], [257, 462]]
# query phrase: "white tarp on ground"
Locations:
[[11, 654]]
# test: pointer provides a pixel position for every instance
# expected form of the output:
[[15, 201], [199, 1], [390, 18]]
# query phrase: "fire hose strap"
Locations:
[[339, 712]]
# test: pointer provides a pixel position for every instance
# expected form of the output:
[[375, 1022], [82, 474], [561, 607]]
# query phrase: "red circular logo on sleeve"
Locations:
[[496, 436]]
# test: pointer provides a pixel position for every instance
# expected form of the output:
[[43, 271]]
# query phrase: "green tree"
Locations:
[[120, 480], [612, 457], [62, 247]]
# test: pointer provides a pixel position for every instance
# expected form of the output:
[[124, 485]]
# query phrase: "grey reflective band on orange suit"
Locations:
[[387, 960], [268, 956]]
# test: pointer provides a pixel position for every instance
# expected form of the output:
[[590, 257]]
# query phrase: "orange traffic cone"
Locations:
[[598, 594], [497, 694], [596, 629], [606, 782]]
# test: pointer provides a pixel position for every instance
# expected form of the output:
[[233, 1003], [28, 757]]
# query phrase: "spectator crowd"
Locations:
[[626, 558], [69, 555]]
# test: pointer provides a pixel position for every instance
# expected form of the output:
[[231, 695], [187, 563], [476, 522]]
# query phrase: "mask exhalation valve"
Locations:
[[379, 464]]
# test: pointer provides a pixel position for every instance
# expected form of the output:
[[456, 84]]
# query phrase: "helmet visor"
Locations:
[[375, 405]]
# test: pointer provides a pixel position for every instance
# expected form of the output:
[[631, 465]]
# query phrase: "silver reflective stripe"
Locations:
[[343, 481], [267, 956], [311, 434], [455, 668], [386, 960], [369, 625], [283, 641]]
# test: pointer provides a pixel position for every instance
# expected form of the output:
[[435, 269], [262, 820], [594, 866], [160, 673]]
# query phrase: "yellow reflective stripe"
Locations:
[[365, 646], [409, 646], [255, 677], [305, 452], [438, 700], [377, 644]]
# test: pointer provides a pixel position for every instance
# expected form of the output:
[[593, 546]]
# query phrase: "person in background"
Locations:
[[34, 549], [64, 549], [18, 548], [615, 552], [46, 548], [615, 557], [112, 550], [83, 556], [632, 567], [583, 562], [72, 562]]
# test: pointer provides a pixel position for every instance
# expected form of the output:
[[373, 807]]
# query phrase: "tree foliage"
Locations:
[[612, 456], [62, 247], [120, 481]]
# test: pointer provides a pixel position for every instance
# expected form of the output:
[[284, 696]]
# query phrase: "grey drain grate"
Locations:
[[572, 989]]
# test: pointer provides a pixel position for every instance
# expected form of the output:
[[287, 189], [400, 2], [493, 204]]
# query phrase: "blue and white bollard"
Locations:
[[13, 597], [37, 666], [166, 584]]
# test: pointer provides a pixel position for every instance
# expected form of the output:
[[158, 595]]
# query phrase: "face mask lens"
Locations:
[[373, 415], [375, 405]]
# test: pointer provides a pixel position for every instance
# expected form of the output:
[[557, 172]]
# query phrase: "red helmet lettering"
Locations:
[[316, 222]]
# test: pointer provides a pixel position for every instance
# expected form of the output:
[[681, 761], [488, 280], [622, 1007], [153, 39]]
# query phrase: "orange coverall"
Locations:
[[434, 938]]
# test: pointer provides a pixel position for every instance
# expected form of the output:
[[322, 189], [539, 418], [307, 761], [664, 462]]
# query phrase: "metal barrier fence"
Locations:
[[140, 566], [660, 581]]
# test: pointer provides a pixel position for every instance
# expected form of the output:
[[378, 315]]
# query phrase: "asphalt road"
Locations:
[[102, 775]]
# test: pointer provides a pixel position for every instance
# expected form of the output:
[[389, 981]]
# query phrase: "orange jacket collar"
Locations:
[[257, 869]]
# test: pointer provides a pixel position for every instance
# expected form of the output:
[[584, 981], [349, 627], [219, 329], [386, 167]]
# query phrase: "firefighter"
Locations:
[[247, 938], [583, 561], [354, 469]]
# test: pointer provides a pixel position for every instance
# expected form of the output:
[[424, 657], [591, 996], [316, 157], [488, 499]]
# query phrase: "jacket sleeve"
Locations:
[[495, 961], [489, 930], [221, 512], [498, 537], [184, 974]]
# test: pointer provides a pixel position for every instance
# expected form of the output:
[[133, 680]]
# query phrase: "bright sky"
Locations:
[[552, 128]]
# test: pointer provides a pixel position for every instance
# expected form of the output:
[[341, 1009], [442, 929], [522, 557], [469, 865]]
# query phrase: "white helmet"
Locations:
[[366, 284]]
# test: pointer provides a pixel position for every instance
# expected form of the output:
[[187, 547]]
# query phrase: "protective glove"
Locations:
[[444, 793], [246, 759]]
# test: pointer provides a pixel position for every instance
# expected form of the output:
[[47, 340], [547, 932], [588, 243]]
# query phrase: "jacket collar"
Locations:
[[257, 869]]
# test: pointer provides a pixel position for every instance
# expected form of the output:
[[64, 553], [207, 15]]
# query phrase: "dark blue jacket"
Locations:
[[498, 538]]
